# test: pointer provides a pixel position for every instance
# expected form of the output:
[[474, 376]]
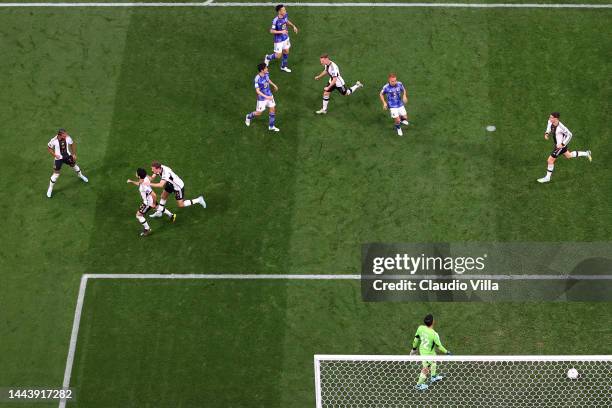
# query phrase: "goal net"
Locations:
[[353, 381]]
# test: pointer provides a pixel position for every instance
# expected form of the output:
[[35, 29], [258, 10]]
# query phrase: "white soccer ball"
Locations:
[[572, 374]]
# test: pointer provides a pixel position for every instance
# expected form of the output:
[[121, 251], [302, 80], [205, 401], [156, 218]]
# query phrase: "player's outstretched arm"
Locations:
[[295, 29], [73, 149], [439, 345], [274, 85], [405, 96], [134, 182], [321, 75], [161, 184], [381, 95]]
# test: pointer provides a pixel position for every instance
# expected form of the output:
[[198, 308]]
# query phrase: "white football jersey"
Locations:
[[146, 191], [334, 72], [562, 133], [171, 177], [56, 145]]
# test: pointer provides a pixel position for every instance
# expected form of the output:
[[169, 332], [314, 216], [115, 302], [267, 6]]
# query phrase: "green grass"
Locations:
[[134, 85]]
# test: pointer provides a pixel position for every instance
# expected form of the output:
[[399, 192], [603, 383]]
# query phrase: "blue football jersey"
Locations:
[[394, 94], [280, 23], [263, 84]]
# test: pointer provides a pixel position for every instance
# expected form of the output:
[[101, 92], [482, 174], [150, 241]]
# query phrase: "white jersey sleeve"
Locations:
[[171, 177], [563, 134], [548, 127]]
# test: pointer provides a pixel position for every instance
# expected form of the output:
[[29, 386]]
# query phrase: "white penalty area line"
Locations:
[[86, 277], [211, 3]]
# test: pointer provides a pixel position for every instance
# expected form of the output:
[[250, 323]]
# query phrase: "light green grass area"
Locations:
[[134, 85]]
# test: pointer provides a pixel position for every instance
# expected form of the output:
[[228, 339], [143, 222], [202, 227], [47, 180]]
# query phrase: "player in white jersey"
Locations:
[[149, 200], [336, 82], [171, 183], [63, 150], [561, 137]]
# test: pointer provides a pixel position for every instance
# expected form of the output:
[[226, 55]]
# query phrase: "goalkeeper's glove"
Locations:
[[448, 353], [413, 352]]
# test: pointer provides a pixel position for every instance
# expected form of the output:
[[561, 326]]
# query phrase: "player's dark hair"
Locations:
[[142, 173], [428, 320], [60, 131], [277, 8], [261, 67], [324, 56], [156, 164], [555, 115]]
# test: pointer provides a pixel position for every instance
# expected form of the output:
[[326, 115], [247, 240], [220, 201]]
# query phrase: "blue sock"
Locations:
[[272, 56], [284, 60], [398, 125], [251, 115], [272, 120]]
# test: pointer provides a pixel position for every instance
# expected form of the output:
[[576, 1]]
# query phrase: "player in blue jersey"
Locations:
[[264, 98], [281, 38], [396, 97]]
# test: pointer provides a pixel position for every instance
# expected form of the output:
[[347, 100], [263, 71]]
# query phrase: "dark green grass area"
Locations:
[[134, 85], [251, 343]]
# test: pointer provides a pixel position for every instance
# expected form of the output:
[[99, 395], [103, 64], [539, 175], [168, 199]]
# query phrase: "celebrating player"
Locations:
[[149, 200], [281, 38], [63, 149], [561, 138], [336, 82], [396, 96], [427, 339], [171, 183], [264, 98]]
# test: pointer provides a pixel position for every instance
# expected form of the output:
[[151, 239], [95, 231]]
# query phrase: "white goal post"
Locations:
[[362, 381]]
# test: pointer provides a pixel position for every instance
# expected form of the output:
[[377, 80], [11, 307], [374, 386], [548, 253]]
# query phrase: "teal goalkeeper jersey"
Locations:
[[427, 340]]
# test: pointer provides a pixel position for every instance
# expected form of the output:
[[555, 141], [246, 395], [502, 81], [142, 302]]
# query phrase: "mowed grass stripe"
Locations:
[[185, 87], [53, 77]]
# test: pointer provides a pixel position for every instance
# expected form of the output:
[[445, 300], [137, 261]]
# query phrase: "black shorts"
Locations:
[[342, 89], [144, 208], [558, 151], [178, 194], [69, 160]]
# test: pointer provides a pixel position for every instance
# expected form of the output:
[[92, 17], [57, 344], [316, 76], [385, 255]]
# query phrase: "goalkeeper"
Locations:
[[427, 339]]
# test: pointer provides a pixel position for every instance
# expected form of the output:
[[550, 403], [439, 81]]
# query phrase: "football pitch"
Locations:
[[137, 84]]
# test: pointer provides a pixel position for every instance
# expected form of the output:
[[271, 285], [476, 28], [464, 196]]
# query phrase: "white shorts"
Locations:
[[262, 105], [283, 45], [396, 112]]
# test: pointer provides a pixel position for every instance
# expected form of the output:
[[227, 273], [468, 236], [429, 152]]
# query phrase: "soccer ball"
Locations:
[[572, 374]]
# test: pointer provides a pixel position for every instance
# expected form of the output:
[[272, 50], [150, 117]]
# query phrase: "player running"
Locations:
[[171, 183], [427, 339], [336, 82], [281, 38], [561, 138], [265, 99], [149, 200], [63, 149], [396, 96]]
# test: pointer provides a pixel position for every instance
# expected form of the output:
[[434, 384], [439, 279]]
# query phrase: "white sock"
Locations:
[[143, 221], [168, 213], [549, 170], [354, 88], [325, 102], [582, 154], [77, 170], [54, 178], [162, 205]]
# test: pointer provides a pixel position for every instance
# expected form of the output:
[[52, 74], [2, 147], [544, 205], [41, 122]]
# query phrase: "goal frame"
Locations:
[[318, 358]]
